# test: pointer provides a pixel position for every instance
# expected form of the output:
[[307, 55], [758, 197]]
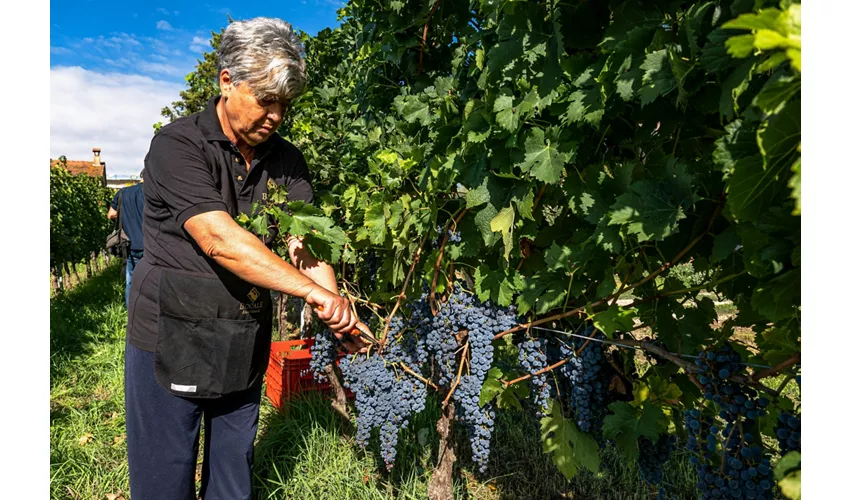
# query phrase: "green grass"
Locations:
[[306, 452]]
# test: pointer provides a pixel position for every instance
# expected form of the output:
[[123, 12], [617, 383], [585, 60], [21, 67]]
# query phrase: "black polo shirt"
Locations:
[[193, 168]]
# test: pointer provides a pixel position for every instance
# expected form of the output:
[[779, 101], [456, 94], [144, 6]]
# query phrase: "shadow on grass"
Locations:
[[308, 452], [84, 317]]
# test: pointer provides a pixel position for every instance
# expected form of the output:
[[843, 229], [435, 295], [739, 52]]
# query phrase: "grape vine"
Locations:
[[492, 168]]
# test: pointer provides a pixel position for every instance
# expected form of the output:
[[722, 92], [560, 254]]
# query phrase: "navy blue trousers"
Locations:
[[163, 435]]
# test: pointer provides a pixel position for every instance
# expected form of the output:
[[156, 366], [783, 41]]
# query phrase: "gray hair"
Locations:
[[266, 54]]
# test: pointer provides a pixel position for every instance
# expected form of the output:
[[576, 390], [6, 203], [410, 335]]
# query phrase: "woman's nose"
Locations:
[[274, 111]]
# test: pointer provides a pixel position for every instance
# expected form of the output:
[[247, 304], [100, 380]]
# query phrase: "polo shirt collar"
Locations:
[[209, 124], [211, 128]]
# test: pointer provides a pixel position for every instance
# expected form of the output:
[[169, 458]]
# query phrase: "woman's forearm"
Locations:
[[243, 254], [317, 270]]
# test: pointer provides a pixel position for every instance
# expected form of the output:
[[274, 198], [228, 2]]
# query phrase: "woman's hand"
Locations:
[[333, 309]]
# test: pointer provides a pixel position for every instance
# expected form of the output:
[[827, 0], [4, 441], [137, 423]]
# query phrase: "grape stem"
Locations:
[[422, 379], [726, 446], [459, 373], [767, 372], [432, 297], [401, 295], [425, 35]]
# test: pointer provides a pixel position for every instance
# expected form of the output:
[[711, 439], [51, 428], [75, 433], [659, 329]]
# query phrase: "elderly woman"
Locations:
[[199, 325]]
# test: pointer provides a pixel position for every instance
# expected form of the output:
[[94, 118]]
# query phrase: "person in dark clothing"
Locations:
[[200, 314], [132, 207]]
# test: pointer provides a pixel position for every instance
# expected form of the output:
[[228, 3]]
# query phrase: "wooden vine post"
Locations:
[[440, 485]]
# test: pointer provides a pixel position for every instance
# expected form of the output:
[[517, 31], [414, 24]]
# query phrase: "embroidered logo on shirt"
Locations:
[[254, 294]]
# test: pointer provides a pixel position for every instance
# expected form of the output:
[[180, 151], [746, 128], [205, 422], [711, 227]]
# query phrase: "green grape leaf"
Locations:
[[779, 137], [482, 222], [647, 212], [657, 79], [542, 158], [614, 319], [796, 187], [777, 299], [487, 282], [503, 223], [478, 195], [550, 299], [506, 114], [656, 389], [491, 387], [788, 463], [777, 92], [506, 397], [558, 257], [412, 110], [725, 244], [260, 225], [374, 225], [628, 423], [792, 486], [569, 447]]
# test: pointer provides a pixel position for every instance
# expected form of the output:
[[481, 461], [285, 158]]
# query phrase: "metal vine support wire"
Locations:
[[627, 346]]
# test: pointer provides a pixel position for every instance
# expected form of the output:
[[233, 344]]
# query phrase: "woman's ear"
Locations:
[[225, 83]]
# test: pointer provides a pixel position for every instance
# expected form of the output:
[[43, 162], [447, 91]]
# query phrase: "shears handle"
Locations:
[[360, 330]]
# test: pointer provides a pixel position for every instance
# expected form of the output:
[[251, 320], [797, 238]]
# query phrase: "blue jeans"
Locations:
[[132, 259]]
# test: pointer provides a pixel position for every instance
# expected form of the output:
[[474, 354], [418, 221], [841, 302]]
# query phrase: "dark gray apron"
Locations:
[[214, 333]]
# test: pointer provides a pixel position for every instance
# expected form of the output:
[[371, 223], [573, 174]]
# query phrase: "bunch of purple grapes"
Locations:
[[788, 432], [588, 376], [729, 460], [532, 357], [323, 352]]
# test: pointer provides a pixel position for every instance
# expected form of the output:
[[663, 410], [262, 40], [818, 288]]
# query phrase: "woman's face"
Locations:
[[252, 121]]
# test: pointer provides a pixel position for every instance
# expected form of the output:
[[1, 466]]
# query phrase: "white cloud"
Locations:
[[199, 45], [162, 11], [113, 111], [60, 50], [163, 25], [161, 68]]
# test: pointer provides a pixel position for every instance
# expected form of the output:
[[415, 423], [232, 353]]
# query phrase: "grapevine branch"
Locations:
[[767, 372], [459, 373], [640, 282], [688, 366], [403, 289], [527, 376], [784, 384], [432, 297], [425, 35], [422, 379]]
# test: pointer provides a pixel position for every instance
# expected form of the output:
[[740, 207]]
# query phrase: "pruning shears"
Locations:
[[360, 330]]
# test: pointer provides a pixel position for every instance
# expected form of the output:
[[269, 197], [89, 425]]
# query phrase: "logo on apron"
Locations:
[[254, 294]]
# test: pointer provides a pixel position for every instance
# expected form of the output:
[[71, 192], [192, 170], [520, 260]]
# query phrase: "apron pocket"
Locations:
[[208, 358]]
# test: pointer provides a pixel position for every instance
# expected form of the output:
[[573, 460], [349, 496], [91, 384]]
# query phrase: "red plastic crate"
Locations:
[[289, 374]]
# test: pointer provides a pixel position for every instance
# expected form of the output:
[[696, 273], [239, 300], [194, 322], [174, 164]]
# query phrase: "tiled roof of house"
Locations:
[[77, 167]]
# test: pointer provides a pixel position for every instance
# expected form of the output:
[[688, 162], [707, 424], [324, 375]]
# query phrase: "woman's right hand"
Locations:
[[333, 309]]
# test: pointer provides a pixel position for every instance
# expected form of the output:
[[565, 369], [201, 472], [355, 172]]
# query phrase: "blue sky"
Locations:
[[114, 66]]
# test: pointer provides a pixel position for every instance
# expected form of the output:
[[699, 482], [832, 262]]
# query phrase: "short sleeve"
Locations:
[[114, 203], [298, 183], [181, 176]]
